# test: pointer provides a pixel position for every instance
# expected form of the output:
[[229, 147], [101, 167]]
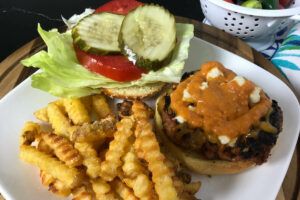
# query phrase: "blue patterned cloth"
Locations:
[[286, 54]]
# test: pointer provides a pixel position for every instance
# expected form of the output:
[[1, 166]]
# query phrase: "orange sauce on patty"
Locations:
[[213, 100]]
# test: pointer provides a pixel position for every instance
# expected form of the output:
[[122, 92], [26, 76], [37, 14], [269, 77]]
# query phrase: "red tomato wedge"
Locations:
[[116, 67], [285, 3], [119, 6]]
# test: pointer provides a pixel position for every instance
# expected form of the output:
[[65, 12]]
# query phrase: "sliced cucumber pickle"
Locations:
[[148, 34], [98, 33]]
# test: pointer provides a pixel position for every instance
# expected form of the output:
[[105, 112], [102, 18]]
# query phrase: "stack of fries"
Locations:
[[82, 150]]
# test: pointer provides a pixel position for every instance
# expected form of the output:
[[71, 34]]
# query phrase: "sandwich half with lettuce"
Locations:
[[126, 51]]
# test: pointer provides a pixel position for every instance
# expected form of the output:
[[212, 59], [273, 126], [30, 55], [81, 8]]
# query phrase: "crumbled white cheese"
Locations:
[[214, 73], [224, 139], [203, 85], [186, 95], [255, 96], [239, 80], [130, 54], [192, 108], [180, 119]]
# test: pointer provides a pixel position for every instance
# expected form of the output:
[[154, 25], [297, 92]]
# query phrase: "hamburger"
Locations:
[[215, 122], [124, 48]]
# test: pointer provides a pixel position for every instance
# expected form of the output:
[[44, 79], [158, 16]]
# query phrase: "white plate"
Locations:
[[21, 181]]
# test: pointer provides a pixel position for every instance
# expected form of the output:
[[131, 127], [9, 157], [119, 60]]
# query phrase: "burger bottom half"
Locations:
[[215, 122]]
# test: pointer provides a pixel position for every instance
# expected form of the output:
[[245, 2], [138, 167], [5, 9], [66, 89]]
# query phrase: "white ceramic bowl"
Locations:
[[248, 23]]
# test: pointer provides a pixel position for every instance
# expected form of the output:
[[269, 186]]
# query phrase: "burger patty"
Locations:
[[247, 147]]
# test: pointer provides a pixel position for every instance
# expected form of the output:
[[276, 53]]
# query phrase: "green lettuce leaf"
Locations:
[[62, 75]]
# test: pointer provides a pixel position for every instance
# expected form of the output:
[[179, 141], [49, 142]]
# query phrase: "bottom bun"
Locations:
[[135, 92], [192, 160]]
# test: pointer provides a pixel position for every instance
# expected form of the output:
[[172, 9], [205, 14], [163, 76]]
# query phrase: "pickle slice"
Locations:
[[98, 33], [148, 36]]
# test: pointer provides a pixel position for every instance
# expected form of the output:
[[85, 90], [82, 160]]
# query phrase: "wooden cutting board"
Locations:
[[12, 73]]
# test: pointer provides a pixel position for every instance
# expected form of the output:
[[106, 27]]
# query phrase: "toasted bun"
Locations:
[[191, 160], [135, 92]]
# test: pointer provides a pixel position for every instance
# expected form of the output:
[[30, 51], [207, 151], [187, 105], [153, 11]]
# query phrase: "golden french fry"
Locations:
[[132, 167], [55, 185], [87, 102], [90, 159], [102, 189], [100, 186], [137, 178], [186, 191], [101, 106], [59, 188], [70, 160], [149, 150], [192, 188], [123, 190], [82, 193], [44, 147], [41, 114], [142, 187], [46, 179], [70, 176], [59, 122], [76, 111], [29, 133], [117, 148], [63, 149], [96, 131]]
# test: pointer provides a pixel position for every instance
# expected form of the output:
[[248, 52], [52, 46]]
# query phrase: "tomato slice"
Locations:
[[116, 67], [119, 6]]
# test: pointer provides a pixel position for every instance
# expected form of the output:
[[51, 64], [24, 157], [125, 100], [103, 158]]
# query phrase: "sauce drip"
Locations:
[[223, 106]]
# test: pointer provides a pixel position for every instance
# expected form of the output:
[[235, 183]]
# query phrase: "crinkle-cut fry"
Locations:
[[100, 186], [63, 149], [147, 146], [82, 193], [41, 114], [59, 188], [87, 102], [44, 147], [90, 158], [76, 111], [123, 190], [132, 166], [161, 174], [55, 185], [46, 179], [117, 148], [192, 188], [142, 187], [100, 106], [108, 196], [29, 133], [186, 191], [70, 176], [96, 131], [102, 189], [59, 122]]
